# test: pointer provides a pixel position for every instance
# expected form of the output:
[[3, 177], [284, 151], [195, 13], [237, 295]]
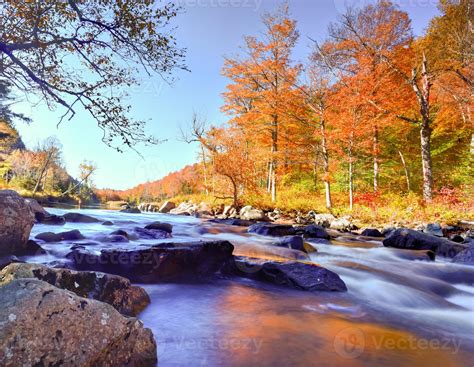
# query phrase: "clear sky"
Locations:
[[208, 29]]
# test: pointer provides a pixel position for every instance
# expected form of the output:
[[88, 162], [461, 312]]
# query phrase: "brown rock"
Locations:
[[42, 325]]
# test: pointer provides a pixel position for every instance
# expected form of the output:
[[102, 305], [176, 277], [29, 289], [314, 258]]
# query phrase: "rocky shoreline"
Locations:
[[94, 290]]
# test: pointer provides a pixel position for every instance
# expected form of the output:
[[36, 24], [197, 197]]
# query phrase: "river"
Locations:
[[398, 311]]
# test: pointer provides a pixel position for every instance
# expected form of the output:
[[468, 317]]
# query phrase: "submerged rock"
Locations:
[[80, 218], [293, 242], [16, 221], [166, 227], [465, 257], [159, 263], [151, 234], [298, 275], [107, 223], [234, 222], [62, 236], [372, 232], [131, 210], [41, 325], [414, 240], [112, 289], [270, 229]]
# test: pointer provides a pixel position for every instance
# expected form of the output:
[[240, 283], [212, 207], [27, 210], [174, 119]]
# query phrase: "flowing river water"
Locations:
[[399, 310]]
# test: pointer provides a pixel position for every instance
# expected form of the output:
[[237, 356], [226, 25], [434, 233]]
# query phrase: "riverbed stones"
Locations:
[[293, 242], [80, 218], [131, 210], [293, 274], [42, 325], [185, 208], [465, 257], [16, 221], [112, 289], [271, 229], [342, 224], [151, 234], [434, 229], [414, 240], [159, 263]]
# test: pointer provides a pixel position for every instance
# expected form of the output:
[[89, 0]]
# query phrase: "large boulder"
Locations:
[[72, 235], [160, 263], [16, 221], [270, 229], [414, 240], [298, 275], [167, 206], [112, 289], [80, 218], [249, 213], [41, 325], [185, 208]]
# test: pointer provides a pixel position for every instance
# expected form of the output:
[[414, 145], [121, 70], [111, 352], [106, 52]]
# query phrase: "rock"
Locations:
[[131, 210], [414, 240], [372, 232], [293, 242], [108, 223], [151, 234], [342, 224], [16, 221], [227, 210], [160, 263], [58, 237], [7, 260], [234, 222], [41, 325], [465, 257], [423, 255], [387, 231], [32, 248], [316, 231], [42, 216], [114, 238], [457, 238], [434, 229], [249, 213], [269, 229], [324, 220], [120, 232], [80, 218], [274, 215], [167, 206], [184, 208], [166, 227], [303, 276], [112, 289], [204, 210]]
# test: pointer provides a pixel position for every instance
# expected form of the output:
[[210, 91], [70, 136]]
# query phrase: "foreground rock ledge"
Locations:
[[160, 263], [41, 325], [293, 274], [112, 289]]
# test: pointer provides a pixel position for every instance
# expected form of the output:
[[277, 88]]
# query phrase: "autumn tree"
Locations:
[[83, 53], [263, 86]]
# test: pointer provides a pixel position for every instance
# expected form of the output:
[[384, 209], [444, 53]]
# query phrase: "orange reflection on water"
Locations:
[[264, 329]]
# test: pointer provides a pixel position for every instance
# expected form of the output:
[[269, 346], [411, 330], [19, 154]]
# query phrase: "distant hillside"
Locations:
[[187, 180]]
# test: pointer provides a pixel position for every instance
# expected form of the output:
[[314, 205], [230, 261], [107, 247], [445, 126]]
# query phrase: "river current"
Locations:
[[400, 309]]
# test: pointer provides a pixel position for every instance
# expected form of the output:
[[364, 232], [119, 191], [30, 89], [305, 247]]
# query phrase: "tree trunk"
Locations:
[[324, 148], [407, 176], [204, 163], [425, 135], [376, 157], [351, 169], [274, 159], [43, 170]]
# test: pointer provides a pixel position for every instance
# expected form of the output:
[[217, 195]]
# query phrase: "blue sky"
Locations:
[[209, 29]]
